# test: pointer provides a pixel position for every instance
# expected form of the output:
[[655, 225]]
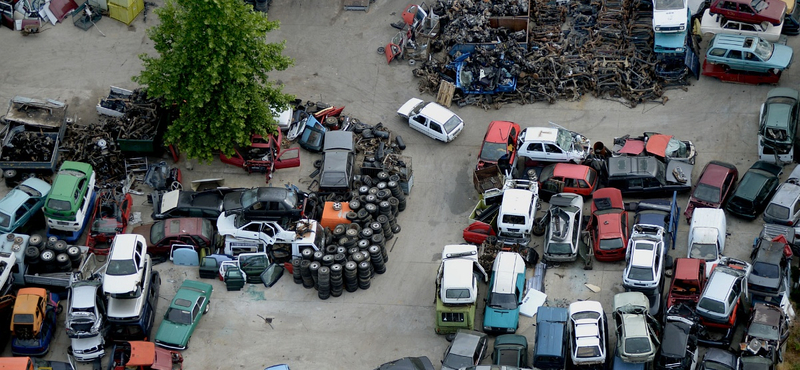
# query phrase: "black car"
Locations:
[[266, 203], [338, 162], [408, 363], [678, 349], [719, 359], [647, 176], [771, 275], [755, 190], [185, 203]]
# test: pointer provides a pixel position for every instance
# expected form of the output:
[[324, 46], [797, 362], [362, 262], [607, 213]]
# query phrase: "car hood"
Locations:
[[173, 334], [226, 225], [120, 284], [501, 318], [781, 56], [232, 201], [405, 109]]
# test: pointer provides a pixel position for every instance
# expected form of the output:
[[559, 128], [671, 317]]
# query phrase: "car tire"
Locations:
[[47, 256], [35, 240], [208, 307]]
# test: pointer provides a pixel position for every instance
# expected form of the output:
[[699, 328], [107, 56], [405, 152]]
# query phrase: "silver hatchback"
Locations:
[[784, 207]]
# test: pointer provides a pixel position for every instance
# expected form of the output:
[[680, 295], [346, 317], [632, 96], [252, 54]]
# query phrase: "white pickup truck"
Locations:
[[517, 211]]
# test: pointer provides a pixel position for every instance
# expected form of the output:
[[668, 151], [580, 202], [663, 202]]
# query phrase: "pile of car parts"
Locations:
[[95, 144], [28, 146], [602, 47], [51, 254]]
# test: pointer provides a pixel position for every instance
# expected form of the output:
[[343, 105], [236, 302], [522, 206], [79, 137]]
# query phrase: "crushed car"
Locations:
[[638, 333], [664, 147]]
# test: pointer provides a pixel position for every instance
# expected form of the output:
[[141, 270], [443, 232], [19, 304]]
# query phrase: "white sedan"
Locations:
[[432, 119], [588, 333], [715, 23]]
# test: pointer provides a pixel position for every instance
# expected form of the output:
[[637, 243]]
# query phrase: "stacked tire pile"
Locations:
[[48, 255], [355, 252]]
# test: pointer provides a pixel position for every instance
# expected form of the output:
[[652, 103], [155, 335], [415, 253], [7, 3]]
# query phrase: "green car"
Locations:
[[187, 308]]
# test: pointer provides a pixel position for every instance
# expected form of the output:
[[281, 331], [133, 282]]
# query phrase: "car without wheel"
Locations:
[[266, 203], [500, 140], [750, 11], [432, 119], [468, 348], [588, 333], [748, 54], [648, 176], [338, 162], [186, 203], [664, 147], [608, 226], [678, 349], [714, 187], [755, 189], [716, 24], [190, 304], [637, 332], [553, 144], [767, 331], [85, 321], [567, 178], [562, 236], [688, 281], [778, 125], [719, 359]]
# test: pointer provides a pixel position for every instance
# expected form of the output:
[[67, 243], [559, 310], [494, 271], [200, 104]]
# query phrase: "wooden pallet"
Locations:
[[445, 95]]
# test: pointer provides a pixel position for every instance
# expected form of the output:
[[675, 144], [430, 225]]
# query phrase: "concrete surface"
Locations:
[[336, 62]]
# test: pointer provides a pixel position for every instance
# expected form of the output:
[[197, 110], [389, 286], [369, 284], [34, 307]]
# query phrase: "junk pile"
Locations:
[[28, 146], [51, 254], [95, 144], [598, 47]]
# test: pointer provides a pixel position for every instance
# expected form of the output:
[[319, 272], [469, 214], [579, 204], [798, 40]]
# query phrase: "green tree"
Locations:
[[213, 66]]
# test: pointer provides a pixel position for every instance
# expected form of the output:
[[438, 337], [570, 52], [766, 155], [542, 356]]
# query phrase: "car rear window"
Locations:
[[711, 305], [611, 244], [59, 205], [741, 203], [640, 273], [451, 124], [637, 345], [777, 211], [559, 248], [766, 270], [707, 193], [587, 352], [5, 220]]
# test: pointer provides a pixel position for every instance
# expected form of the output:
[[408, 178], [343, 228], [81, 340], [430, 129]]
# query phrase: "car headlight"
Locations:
[[682, 27], [658, 28], [679, 50]]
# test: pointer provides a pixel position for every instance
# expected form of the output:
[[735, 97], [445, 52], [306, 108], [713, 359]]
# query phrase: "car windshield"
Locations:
[[29, 190], [763, 49], [763, 331], [759, 5], [611, 244], [669, 4], [704, 251], [456, 293], [179, 316], [637, 345], [249, 197], [564, 139], [559, 248], [454, 361], [509, 356], [121, 267], [158, 230], [707, 193], [239, 221], [5, 219], [451, 124], [105, 225], [711, 305], [503, 301], [493, 151], [585, 315], [59, 205], [777, 211], [640, 273], [766, 270]]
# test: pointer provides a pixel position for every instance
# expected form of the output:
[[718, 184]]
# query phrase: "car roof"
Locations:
[[338, 140], [516, 201], [181, 226], [123, 246], [767, 314], [787, 194], [769, 252], [498, 131], [436, 112], [582, 306], [633, 165], [629, 300], [571, 171], [735, 42], [635, 325], [539, 134], [752, 183], [505, 280], [675, 339], [714, 174], [643, 257], [465, 343], [511, 339], [719, 284], [721, 356], [552, 314]]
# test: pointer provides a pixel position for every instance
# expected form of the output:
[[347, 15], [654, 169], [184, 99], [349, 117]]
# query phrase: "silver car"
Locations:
[[85, 320], [784, 207]]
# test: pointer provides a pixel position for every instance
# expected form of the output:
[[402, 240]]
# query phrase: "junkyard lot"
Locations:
[[336, 62]]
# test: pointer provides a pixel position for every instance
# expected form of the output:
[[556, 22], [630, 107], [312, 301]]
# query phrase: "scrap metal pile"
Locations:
[[29, 146], [601, 47], [95, 144]]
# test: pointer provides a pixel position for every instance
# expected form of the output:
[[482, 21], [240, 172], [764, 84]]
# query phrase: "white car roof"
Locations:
[[584, 331], [642, 258], [516, 201], [124, 244], [437, 112], [536, 134]]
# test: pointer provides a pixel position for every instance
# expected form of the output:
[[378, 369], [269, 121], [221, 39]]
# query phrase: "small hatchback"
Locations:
[[777, 125], [748, 53], [714, 187], [432, 119], [507, 286], [567, 178], [784, 207], [757, 186], [21, 203], [500, 140], [750, 11], [553, 144], [71, 197], [468, 348], [608, 226]]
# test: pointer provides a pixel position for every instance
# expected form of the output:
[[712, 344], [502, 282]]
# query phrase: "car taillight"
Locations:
[[790, 223]]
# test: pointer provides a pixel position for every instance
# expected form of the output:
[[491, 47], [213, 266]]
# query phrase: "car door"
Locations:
[[436, 131], [250, 231], [554, 154], [734, 59], [747, 13], [288, 158], [533, 151], [419, 123]]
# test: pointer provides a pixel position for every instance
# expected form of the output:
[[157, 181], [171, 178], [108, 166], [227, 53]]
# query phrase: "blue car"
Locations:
[[503, 300], [21, 203], [748, 53]]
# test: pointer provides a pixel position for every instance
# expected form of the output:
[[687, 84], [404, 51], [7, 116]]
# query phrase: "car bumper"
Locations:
[[170, 346], [609, 255], [68, 236]]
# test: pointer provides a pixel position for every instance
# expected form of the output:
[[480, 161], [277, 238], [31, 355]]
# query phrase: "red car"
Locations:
[[263, 155], [750, 11], [109, 218], [500, 139], [716, 184], [687, 283], [162, 234], [608, 226], [567, 178]]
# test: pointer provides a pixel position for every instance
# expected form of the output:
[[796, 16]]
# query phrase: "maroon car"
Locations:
[[500, 139], [688, 282], [162, 234], [750, 11], [716, 184]]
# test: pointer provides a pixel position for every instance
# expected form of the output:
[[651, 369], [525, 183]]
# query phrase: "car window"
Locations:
[[194, 212], [796, 207], [552, 148], [729, 5], [730, 26], [20, 212], [750, 56], [717, 52], [748, 27], [731, 298], [635, 183], [254, 227], [744, 8], [570, 183], [30, 203], [207, 214], [435, 127], [735, 54], [535, 147], [419, 119], [765, 190]]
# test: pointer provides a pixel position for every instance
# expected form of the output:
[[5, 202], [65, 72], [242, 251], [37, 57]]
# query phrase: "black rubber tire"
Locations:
[[32, 255], [355, 205], [60, 246], [381, 50], [35, 240]]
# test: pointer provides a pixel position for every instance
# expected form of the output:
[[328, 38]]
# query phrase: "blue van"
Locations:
[[550, 348], [505, 295]]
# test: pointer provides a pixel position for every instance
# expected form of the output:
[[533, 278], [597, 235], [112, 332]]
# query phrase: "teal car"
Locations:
[[184, 313], [748, 53], [21, 203], [507, 286]]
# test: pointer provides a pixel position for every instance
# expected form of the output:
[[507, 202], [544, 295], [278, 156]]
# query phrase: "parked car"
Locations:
[[500, 140], [33, 321], [109, 217], [162, 234], [552, 338], [338, 162], [588, 333], [719, 304], [784, 207], [714, 187], [748, 54], [777, 125], [127, 266], [69, 203], [688, 281], [468, 348], [669, 16], [133, 319], [678, 349], [755, 189], [21, 203], [563, 233], [405, 363], [511, 350], [432, 119], [664, 147], [707, 234], [553, 144], [769, 11], [190, 304], [567, 178], [647, 176], [267, 203], [186, 203], [644, 268], [771, 277], [85, 320], [767, 331], [719, 359], [637, 332], [506, 286], [263, 155], [756, 363], [608, 226], [718, 24]]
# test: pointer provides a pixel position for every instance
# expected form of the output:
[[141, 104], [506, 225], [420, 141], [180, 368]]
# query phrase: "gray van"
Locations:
[[550, 348], [784, 207]]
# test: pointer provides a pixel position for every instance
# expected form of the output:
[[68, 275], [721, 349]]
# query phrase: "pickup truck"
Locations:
[[457, 288], [31, 123], [517, 211], [13, 248]]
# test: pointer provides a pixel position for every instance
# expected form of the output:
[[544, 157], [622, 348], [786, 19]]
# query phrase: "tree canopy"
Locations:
[[213, 67]]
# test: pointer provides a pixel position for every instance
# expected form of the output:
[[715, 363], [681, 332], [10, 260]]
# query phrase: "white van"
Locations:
[[707, 236]]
